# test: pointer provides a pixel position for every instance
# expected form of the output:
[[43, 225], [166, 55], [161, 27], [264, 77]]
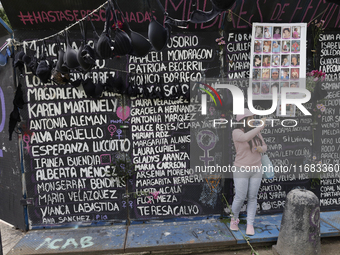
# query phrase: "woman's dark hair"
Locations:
[[256, 140], [286, 29]]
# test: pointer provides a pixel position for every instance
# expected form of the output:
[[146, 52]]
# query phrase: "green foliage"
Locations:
[[3, 15], [314, 182]]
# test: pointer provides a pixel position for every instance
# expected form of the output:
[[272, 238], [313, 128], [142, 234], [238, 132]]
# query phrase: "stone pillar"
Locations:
[[0, 244], [300, 225]]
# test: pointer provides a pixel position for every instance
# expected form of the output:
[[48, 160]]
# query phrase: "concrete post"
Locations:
[[300, 225]]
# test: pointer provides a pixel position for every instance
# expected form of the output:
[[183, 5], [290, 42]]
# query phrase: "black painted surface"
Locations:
[[181, 196], [10, 169], [327, 140], [272, 195], [69, 182]]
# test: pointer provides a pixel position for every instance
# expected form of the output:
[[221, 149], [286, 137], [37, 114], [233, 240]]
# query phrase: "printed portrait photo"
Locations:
[[266, 61], [284, 85], [295, 60], [256, 88], [277, 33], [275, 74], [295, 46], [256, 74], [294, 85], [290, 110], [286, 33], [258, 32], [258, 46], [267, 32], [285, 60], [266, 74], [265, 88], [257, 61], [296, 32], [295, 73], [267, 46], [276, 60], [274, 86], [285, 74], [285, 46], [276, 47]]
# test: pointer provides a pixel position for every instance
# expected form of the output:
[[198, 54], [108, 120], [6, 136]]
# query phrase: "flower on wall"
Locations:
[[313, 84], [313, 77], [221, 42], [317, 111]]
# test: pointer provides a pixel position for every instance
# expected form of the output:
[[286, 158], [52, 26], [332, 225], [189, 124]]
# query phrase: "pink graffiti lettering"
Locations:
[[210, 25], [334, 5], [316, 9], [337, 21], [259, 9], [278, 5], [137, 17], [281, 11], [297, 8], [181, 9], [240, 14], [176, 7], [58, 16]]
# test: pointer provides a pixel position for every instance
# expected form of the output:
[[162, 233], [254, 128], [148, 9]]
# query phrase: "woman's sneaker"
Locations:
[[234, 224]]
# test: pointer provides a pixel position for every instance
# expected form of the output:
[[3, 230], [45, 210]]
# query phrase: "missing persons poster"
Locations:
[[277, 60]]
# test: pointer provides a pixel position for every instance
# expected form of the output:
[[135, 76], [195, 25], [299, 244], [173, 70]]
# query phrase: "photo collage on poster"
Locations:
[[276, 59]]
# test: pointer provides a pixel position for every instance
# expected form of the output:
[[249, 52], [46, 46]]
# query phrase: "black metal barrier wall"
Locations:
[[11, 189], [71, 139]]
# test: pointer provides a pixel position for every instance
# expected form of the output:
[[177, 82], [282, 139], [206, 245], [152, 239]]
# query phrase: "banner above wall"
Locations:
[[140, 14], [56, 15]]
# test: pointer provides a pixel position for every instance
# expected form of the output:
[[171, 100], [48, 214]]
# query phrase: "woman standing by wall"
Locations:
[[249, 145]]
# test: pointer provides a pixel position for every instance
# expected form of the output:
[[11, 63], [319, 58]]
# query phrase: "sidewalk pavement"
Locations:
[[329, 246], [159, 237], [9, 236]]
